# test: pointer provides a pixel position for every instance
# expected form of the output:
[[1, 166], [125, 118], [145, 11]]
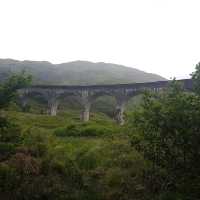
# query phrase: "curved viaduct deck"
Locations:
[[187, 83], [87, 94]]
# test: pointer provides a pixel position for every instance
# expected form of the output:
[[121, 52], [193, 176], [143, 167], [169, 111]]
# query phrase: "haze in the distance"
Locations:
[[157, 36]]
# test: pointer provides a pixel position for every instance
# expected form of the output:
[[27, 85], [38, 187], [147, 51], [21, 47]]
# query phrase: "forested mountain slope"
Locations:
[[76, 73]]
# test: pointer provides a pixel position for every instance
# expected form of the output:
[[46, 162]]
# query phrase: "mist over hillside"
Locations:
[[76, 72]]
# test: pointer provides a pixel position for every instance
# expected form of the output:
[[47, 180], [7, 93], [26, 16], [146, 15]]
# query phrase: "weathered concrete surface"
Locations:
[[87, 94]]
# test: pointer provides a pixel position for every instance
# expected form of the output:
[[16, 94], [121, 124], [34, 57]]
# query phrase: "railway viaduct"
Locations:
[[86, 95]]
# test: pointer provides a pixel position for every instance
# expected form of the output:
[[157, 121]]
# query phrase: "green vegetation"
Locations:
[[8, 89], [45, 164], [196, 78], [165, 129], [155, 156], [76, 73]]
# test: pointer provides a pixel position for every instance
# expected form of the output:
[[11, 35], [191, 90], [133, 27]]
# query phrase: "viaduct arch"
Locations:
[[87, 94]]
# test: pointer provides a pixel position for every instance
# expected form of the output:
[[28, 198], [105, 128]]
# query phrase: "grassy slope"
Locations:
[[28, 120], [48, 124], [107, 160]]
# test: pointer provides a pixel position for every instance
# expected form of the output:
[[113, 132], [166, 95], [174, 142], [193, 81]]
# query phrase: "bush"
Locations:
[[7, 178], [166, 130], [95, 130], [6, 149], [85, 130], [10, 132], [71, 130], [37, 142]]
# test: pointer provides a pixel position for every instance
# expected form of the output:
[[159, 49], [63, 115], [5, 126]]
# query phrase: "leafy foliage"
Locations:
[[44, 166], [196, 78], [86, 129], [166, 130], [9, 87]]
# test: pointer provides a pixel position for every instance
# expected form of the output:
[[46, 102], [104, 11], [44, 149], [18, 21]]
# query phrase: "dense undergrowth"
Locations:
[[80, 161]]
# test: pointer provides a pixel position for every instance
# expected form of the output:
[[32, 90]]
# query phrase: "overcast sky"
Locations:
[[158, 36]]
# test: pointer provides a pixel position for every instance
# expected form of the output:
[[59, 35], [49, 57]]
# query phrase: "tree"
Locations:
[[166, 130], [196, 78], [10, 134], [8, 90]]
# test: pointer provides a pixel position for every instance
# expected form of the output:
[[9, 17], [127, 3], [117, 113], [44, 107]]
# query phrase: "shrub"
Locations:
[[9, 132], [37, 142], [6, 149], [85, 130], [70, 130], [96, 130]]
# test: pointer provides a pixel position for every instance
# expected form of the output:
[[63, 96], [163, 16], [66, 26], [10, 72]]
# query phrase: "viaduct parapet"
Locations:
[[86, 95]]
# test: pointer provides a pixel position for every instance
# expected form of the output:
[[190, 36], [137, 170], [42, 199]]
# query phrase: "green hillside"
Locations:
[[76, 73]]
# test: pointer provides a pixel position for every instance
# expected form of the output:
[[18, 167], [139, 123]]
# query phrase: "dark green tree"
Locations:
[[196, 78], [8, 90], [166, 130], [10, 134]]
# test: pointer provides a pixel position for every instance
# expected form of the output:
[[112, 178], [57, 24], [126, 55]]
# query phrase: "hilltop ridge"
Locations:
[[76, 72]]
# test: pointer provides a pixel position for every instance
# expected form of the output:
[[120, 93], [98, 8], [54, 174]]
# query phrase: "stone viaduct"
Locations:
[[87, 94]]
